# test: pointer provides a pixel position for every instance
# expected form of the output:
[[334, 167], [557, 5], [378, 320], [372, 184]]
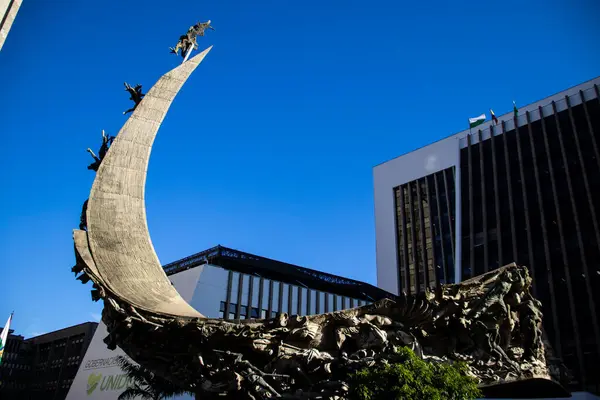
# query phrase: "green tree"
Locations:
[[411, 378], [145, 385]]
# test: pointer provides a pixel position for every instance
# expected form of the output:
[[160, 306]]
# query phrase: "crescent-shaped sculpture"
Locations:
[[295, 356], [118, 234]]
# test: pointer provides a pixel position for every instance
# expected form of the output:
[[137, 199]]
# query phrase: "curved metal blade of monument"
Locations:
[[490, 322]]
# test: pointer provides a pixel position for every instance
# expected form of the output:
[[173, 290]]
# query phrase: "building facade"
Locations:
[[43, 367], [8, 13], [526, 189], [224, 283]]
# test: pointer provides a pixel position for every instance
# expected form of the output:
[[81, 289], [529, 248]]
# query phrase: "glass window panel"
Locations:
[[246, 289], [255, 289], [294, 299], [303, 309], [313, 302], [275, 296], [321, 303], [265, 299], [284, 303], [234, 286]]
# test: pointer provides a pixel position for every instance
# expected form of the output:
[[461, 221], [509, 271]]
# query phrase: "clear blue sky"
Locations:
[[269, 148]]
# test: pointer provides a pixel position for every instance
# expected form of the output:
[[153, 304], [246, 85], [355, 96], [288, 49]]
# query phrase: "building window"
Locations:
[[424, 229]]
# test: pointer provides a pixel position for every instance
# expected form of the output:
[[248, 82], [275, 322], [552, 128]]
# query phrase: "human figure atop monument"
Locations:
[[82, 218], [188, 41], [106, 142], [136, 95]]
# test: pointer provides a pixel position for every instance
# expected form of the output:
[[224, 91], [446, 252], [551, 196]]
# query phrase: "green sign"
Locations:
[[106, 382]]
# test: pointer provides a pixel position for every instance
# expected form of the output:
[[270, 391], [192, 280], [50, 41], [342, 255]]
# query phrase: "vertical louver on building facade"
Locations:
[[425, 231], [542, 212], [527, 191]]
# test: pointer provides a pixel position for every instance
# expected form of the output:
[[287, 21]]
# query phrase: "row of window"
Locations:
[[74, 360], [254, 312], [425, 231], [9, 356], [15, 366], [13, 385], [257, 296]]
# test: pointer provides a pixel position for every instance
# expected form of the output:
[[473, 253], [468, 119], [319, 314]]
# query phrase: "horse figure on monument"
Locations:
[[188, 42]]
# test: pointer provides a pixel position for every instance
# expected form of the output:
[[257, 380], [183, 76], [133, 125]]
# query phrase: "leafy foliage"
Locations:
[[411, 378], [145, 385]]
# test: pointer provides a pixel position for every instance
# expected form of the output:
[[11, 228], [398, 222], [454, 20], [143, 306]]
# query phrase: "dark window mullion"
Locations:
[[440, 224], [238, 308], [413, 236], [228, 295], [555, 322], [261, 284], [496, 197], [483, 205], [270, 304], [406, 272], [423, 240], [249, 308], [574, 322], [449, 206], [525, 208], [471, 216], [280, 305], [510, 195], [432, 231]]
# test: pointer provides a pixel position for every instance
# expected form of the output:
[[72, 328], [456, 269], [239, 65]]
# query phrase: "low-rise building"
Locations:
[[43, 367]]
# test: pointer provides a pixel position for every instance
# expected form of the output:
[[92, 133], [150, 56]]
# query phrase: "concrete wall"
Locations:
[[8, 13], [211, 289]]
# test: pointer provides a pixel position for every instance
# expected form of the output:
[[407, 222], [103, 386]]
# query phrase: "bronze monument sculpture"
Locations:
[[491, 322], [106, 142], [188, 42], [136, 96]]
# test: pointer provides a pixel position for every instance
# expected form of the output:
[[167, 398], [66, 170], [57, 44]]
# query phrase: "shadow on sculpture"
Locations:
[[490, 322]]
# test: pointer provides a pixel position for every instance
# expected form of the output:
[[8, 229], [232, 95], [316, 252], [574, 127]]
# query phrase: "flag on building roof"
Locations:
[[4, 337], [515, 109], [494, 116], [473, 122]]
